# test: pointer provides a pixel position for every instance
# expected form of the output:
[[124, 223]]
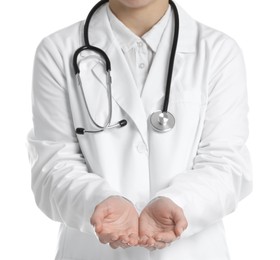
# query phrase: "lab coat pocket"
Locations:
[[182, 99], [186, 106], [189, 96]]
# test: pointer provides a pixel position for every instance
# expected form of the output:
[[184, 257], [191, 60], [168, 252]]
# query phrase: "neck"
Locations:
[[140, 18]]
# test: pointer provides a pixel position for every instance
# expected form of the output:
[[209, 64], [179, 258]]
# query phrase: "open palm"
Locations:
[[160, 223], [116, 222]]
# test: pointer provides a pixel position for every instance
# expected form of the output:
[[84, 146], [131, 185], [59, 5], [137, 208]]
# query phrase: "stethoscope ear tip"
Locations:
[[80, 131], [123, 123]]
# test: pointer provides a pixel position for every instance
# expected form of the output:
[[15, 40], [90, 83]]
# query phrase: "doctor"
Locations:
[[132, 192]]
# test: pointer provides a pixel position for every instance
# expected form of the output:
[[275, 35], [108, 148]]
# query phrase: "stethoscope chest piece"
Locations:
[[162, 121]]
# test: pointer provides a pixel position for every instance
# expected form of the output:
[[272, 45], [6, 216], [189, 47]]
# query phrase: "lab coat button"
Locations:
[[141, 148]]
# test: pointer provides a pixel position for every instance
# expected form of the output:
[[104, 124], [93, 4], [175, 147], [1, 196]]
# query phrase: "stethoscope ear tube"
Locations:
[[93, 49], [86, 27], [172, 56]]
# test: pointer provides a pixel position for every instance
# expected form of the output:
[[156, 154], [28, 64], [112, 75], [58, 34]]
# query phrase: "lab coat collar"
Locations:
[[124, 89]]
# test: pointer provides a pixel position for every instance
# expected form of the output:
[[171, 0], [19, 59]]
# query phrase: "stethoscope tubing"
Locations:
[[86, 26], [94, 49], [109, 90], [172, 57]]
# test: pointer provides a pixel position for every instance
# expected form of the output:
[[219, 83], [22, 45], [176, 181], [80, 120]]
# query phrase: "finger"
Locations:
[[124, 246], [96, 221], [143, 240], [166, 237], [133, 239], [125, 240], [180, 227], [150, 242], [98, 227], [160, 245], [107, 237], [98, 218], [180, 221], [117, 244]]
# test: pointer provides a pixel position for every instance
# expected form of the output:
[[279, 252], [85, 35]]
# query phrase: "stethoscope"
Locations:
[[162, 120]]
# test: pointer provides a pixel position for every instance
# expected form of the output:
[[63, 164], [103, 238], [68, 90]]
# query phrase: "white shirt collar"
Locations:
[[127, 39]]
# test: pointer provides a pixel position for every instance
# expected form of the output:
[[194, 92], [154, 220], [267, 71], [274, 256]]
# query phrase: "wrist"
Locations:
[[121, 197], [158, 198]]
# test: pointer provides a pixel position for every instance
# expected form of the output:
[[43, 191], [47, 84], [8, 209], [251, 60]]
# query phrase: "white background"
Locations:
[[252, 231]]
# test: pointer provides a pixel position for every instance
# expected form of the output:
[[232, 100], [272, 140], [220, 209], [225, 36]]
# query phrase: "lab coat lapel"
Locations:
[[154, 90], [124, 90]]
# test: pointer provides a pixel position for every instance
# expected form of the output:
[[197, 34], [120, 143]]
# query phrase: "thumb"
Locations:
[[180, 221], [97, 218]]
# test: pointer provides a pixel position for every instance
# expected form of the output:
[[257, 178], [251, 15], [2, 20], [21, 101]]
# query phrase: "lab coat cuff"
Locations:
[[178, 201]]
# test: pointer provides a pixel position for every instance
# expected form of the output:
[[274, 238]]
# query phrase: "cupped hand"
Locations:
[[161, 222], [116, 222]]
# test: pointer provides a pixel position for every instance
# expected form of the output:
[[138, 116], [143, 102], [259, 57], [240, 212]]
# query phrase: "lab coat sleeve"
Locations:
[[63, 188], [221, 172]]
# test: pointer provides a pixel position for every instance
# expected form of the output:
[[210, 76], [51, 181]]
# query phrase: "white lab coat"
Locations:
[[202, 164]]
